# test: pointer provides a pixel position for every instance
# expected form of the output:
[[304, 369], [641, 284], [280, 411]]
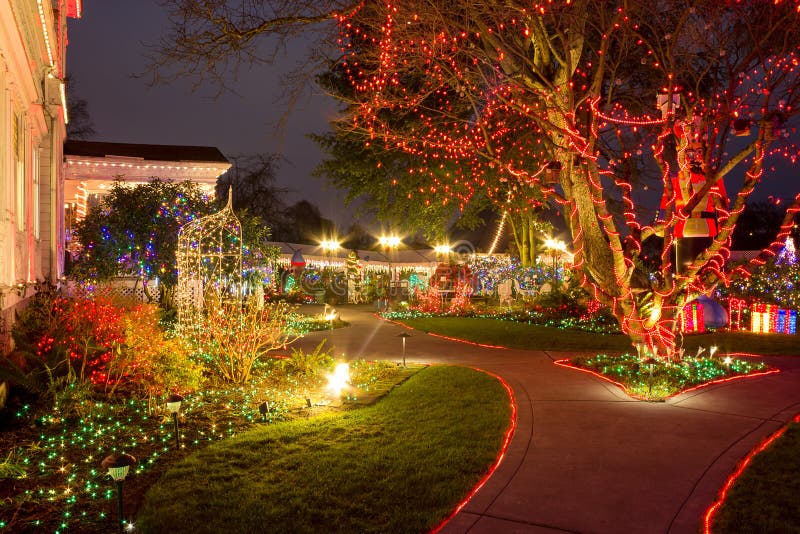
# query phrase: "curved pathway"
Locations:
[[585, 457]]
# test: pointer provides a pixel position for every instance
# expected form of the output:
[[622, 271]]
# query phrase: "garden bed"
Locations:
[[661, 380], [50, 475]]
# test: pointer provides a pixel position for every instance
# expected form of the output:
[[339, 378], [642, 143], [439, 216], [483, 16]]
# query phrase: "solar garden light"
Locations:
[[404, 335], [118, 466], [174, 406], [263, 409]]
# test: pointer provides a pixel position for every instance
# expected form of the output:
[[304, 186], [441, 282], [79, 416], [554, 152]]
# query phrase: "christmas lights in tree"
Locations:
[[462, 90], [787, 255]]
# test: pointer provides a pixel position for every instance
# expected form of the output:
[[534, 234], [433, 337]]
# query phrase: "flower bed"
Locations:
[[50, 474], [662, 380]]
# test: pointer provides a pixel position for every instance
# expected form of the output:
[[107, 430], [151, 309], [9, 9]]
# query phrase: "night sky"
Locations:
[[107, 48]]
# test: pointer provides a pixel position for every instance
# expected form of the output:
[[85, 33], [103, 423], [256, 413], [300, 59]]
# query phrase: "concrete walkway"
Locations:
[[585, 457]]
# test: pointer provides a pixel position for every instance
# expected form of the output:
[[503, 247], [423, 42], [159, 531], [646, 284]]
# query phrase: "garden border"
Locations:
[[512, 427], [565, 362], [708, 517]]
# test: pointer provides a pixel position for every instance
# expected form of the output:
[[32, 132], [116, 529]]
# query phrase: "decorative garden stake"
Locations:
[[263, 409], [209, 257], [118, 466], [404, 335], [174, 406], [650, 362]]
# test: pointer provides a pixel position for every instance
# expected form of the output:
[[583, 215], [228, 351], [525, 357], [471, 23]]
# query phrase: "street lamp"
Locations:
[[555, 246], [174, 406], [389, 242], [118, 466], [329, 246], [442, 250]]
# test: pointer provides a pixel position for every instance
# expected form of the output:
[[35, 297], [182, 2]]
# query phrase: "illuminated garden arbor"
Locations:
[[209, 257]]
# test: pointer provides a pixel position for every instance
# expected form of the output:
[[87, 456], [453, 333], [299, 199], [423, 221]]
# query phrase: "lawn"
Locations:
[[765, 497], [400, 465], [519, 335]]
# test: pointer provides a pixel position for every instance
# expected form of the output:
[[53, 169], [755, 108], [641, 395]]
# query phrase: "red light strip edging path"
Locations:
[[727, 379], [398, 323], [723, 494], [569, 365], [484, 345], [506, 441]]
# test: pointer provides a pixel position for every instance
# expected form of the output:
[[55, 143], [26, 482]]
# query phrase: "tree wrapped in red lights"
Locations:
[[600, 107], [603, 107]]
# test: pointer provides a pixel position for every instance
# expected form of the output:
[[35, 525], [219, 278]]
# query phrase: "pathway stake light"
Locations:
[[118, 466], [263, 409], [174, 406], [650, 362], [404, 335]]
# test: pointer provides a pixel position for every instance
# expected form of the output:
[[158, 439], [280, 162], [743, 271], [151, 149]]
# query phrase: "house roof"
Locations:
[[177, 153]]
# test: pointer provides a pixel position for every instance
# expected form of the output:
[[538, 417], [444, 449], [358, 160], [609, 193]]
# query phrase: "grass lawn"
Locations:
[[765, 497], [524, 336], [400, 465], [519, 335]]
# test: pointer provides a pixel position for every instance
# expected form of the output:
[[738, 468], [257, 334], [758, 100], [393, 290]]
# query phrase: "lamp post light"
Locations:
[[555, 246], [329, 246], [118, 466], [442, 250], [174, 406], [389, 242], [404, 335]]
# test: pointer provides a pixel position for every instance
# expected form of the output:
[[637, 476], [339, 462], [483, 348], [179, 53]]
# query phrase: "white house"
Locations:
[[33, 114], [91, 167]]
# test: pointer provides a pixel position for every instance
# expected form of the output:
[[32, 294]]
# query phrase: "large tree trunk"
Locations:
[[523, 230]]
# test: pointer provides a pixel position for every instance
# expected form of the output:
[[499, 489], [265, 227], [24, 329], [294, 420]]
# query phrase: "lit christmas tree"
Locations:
[[787, 255]]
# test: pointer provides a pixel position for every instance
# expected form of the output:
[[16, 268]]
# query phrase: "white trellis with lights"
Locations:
[[209, 257]]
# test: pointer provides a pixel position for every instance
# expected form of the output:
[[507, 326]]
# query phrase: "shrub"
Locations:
[[307, 367], [69, 349], [152, 362], [233, 339], [364, 374]]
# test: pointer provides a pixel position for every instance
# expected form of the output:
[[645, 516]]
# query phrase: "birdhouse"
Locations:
[[552, 172]]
